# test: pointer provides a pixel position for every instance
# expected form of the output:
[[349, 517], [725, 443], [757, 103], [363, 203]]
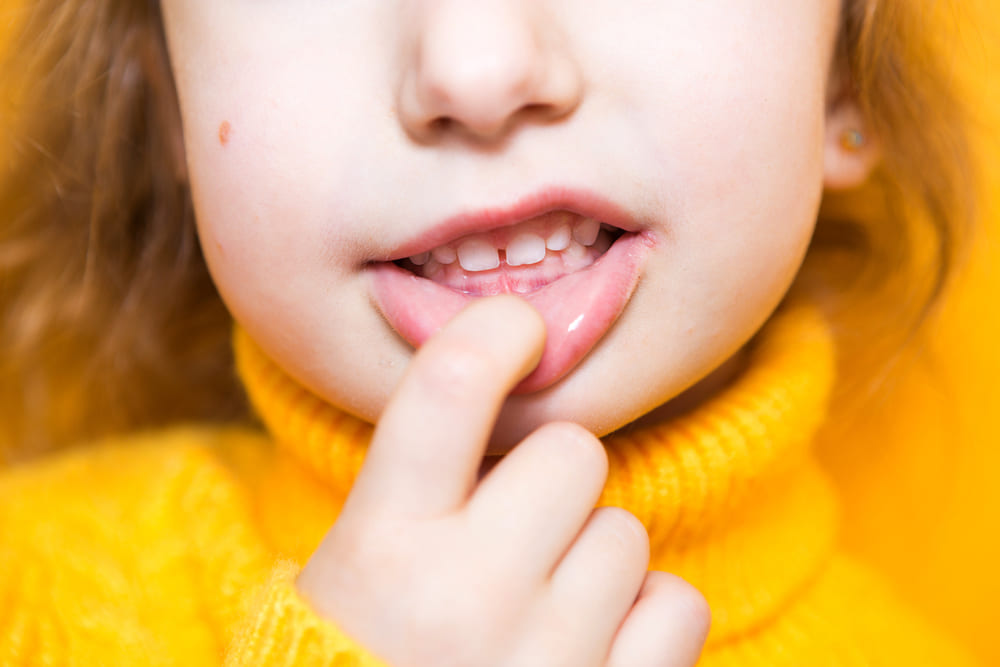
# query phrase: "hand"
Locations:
[[427, 566]]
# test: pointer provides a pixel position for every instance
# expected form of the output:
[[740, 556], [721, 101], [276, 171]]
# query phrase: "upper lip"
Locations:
[[583, 202]]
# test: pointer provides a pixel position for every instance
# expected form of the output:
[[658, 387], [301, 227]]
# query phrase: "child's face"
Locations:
[[324, 138]]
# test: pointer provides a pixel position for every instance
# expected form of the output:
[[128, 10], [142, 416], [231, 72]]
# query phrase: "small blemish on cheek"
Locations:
[[224, 130]]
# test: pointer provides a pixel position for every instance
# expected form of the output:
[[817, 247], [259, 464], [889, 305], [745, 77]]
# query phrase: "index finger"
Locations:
[[431, 437]]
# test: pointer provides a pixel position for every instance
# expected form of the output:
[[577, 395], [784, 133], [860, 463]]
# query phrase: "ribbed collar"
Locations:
[[729, 493]]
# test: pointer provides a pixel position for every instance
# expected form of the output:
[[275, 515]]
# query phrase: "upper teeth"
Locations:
[[478, 253], [525, 248], [586, 231], [559, 239], [444, 254]]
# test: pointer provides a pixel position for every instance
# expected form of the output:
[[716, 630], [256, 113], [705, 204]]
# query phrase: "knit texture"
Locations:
[[290, 633], [181, 547]]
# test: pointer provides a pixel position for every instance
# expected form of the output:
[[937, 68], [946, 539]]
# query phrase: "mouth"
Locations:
[[578, 270], [519, 259]]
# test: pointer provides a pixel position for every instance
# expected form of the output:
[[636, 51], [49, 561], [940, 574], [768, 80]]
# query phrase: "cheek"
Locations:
[[272, 142], [753, 187], [739, 143], [271, 220], [750, 164]]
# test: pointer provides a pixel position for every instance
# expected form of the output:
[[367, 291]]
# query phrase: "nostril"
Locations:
[[480, 132], [443, 124], [490, 129], [537, 110]]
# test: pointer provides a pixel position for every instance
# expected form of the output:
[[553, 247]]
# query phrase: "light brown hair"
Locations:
[[108, 317]]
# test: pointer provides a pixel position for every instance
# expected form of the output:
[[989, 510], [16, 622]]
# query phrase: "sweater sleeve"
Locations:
[[282, 630]]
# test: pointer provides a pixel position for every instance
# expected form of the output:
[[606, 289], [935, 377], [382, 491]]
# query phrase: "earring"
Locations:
[[852, 140]]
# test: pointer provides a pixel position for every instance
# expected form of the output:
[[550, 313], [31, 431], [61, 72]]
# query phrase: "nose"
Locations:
[[478, 67]]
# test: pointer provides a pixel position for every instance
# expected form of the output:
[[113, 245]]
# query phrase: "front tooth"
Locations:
[[586, 231], [525, 248], [444, 254], [478, 255], [420, 259], [559, 240]]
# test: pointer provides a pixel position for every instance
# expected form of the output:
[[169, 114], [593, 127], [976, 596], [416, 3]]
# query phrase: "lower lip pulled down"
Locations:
[[578, 308]]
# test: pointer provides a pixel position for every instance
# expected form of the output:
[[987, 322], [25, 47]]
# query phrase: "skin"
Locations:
[[322, 136]]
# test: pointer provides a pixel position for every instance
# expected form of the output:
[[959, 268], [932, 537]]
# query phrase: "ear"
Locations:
[[850, 149]]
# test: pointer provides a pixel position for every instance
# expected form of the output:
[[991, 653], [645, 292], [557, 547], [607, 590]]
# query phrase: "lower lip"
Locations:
[[578, 309]]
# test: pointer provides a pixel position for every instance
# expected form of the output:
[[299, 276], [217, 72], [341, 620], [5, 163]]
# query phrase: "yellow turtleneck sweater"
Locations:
[[181, 547]]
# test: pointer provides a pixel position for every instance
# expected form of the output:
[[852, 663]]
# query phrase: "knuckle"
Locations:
[[626, 533], [686, 602], [576, 446], [698, 611], [453, 374]]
